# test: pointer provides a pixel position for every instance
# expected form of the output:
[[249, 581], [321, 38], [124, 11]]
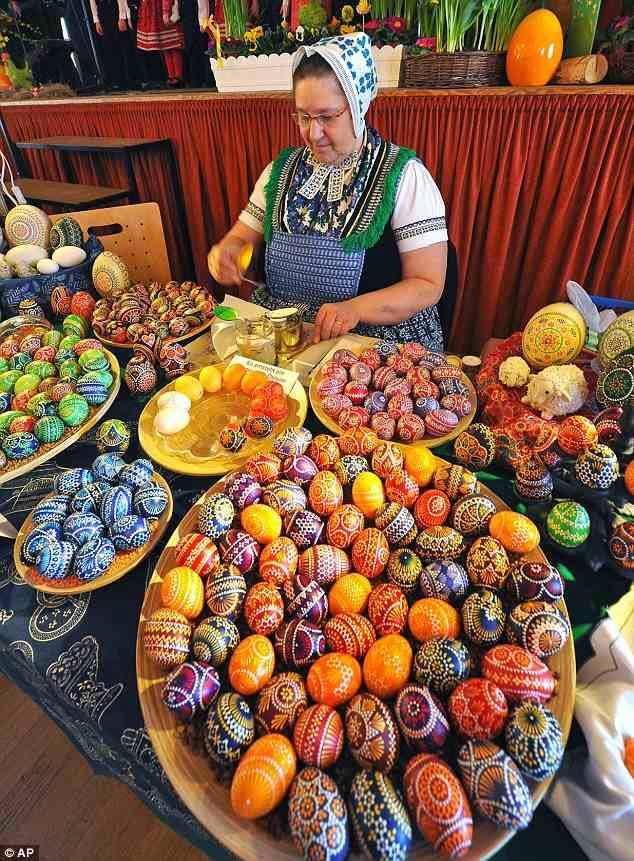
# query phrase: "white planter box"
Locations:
[[272, 72]]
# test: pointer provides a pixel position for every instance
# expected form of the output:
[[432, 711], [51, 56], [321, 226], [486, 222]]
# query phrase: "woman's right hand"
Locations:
[[222, 261]]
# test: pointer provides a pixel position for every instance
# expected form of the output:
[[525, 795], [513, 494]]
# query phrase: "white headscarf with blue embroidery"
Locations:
[[350, 58]]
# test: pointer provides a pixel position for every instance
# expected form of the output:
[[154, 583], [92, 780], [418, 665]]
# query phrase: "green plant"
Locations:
[[454, 19], [619, 35], [496, 22], [313, 16], [235, 18]]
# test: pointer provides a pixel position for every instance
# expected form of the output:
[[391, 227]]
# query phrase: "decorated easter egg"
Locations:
[[224, 592], [597, 467], [520, 674], [516, 532], [478, 709], [198, 552], [263, 467], [607, 424], [333, 405], [48, 429], [214, 640], [440, 422], [106, 467], [401, 405], [51, 509], [425, 403], [403, 569], [166, 636], [307, 599], [278, 561], [349, 594], [130, 532], [433, 619], [263, 776], [487, 563], [93, 391], [370, 552], [350, 633], [115, 503], [439, 542], [421, 718], [137, 473], [344, 526], [387, 666], [353, 417], [263, 608], [533, 480], [280, 703], [284, 496], [432, 508], [323, 451], [539, 627], [79, 528], [150, 500], [261, 522], [110, 274], [455, 481], [475, 447], [379, 817], [304, 528], [371, 732], [534, 740], [242, 489], [555, 335], [386, 458], [348, 468], [318, 817], [258, 427], [410, 428], [576, 433], [232, 437], [251, 665], [299, 643], [292, 441], [439, 805], [27, 225], [182, 590], [331, 386], [334, 679], [66, 231], [190, 689], [18, 446], [494, 784], [93, 558], [300, 468], [54, 559], [402, 488], [471, 515], [441, 664], [568, 524], [358, 440], [37, 538], [483, 617], [615, 385], [376, 402], [318, 736], [396, 523], [621, 545], [617, 339], [323, 563], [325, 493], [240, 549], [534, 581], [229, 729], [383, 425], [387, 609], [458, 404]]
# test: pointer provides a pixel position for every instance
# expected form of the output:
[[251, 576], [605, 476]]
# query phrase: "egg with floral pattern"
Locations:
[[325, 493], [300, 468], [166, 638], [263, 467], [379, 817], [304, 528], [18, 446], [494, 784], [334, 679], [487, 563], [214, 640], [225, 590], [387, 609], [190, 689], [444, 579], [440, 665], [251, 665], [358, 440], [93, 558], [516, 532], [370, 552], [215, 515], [483, 617], [520, 674], [280, 703], [539, 627], [371, 732], [54, 559], [383, 426], [344, 525], [402, 488], [432, 508], [284, 496], [299, 643], [478, 709], [318, 736], [323, 451], [422, 718], [475, 447], [318, 817], [350, 633], [240, 549], [386, 458], [534, 740], [263, 776], [353, 417], [387, 666], [229, 729]]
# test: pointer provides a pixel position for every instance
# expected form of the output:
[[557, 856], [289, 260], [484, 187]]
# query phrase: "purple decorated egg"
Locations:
[[299, 644], [242, 489], [190, 689], [310, 602], [299, 468], [440, 422], [422, 718], [375, 403], [424, 406], [304, 528], [239, 549]]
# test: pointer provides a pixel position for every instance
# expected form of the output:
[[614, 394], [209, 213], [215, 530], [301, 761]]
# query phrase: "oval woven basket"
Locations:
[[449, 71]]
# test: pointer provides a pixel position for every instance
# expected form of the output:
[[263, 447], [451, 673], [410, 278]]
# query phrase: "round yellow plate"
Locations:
[[196, 450], [191, 775], [428, 441], [123, 562]]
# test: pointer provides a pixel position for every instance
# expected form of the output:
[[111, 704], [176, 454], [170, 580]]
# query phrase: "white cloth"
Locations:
[[418, 219], [594, 792]]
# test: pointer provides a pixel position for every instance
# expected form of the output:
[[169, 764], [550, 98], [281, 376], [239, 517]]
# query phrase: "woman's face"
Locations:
[[331, 136]]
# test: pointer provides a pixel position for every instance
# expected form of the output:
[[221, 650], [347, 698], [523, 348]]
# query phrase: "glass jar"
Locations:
[[287, 325], [255, 339]]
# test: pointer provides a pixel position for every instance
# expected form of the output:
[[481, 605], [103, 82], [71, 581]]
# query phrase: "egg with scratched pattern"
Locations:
[[379, 817], [371, 733], [422, 718], [318, 817], [318, 736], [229, 729]]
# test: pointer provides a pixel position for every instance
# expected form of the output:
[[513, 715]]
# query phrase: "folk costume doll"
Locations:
[[159, 29]]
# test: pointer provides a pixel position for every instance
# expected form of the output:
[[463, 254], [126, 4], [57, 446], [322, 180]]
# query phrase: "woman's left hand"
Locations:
[[335, 319]]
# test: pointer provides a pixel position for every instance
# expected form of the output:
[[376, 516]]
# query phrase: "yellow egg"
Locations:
[[367, 493], [263, 776], [535, 50], [349, 594], [211, 379], [191, 387], [182, 590], [555, 335], [262, 522], [421, 464], [514, 531]]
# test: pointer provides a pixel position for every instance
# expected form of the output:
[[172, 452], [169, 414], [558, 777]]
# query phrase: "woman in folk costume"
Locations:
[[159, 29], [353, 225]]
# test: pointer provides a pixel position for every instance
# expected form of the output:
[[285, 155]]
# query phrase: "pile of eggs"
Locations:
[[404, 392], [49, 383], [343, 602], [94, 513], [151, 314], [32, 239]]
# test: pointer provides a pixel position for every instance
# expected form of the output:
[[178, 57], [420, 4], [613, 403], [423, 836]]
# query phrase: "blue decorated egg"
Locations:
[[37, 538], [317, 816], [106, 467], [533, 738], [214, 640], [445, 580], [51, 509], [93, 558], [349, 467], [54, 559], [130, 532], [422, 718], [494, 784], [292, 442], [539, 627], [137, 473], [5, 401], [190, 689], [94, 392], [483, 617], [116, 503], [229, 729], [441, 664], [83, 501], [17, 446], [379, 817], [72, 480], [79, 528], [150, 500], [215, 515]]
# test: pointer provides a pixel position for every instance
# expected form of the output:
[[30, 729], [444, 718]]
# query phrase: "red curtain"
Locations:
[[538, 187]]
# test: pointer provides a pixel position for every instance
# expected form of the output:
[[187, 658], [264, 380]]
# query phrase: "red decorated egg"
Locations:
[[353, 417], [334, 679], [383, 376], [345, 358], [334, 369], [487, 563], [83, 304], [278, 561], [360, 373], [518, 673], [478, 709], [198, 552], [398, 406], [360, 441], [263, 608], [298, 643], [371, 733], [386, 458], [166, 638], [350, 633], [323, 451], [344, 525], [357, 392], [318, 736], [280, 702], [440, 422], [333, 405], [371, 358], [426, 389], [331, 385], [410, 428], [458, 404], [383, 426], [264, 468], [370, 552], [325, 493], [432, 508], [323, 563], [401, 487], [422, 718], [397, 387], [400, 363], [387, 609]]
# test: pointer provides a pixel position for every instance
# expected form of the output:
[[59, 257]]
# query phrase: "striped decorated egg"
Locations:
[[318, 736], [73, 409], [396, 523], [568, 524], [18, 446], [242, 489], [387, 609], [534, 581], [379, 817], [263, 608], [49, 429], [539, 627], [334, 679], [229, 729], [350, 633], [441, 664], [251, 665], [298, 643], [306, 599], [79, 528], [263, 776], [440, 422], [190, 689], [51, 509], [326, 836], [386, 458], [263, 467], [300, 469], [432, 508], [166, 636], [357, 392], [54, 559], [439, 542], [130, 532], [433, 619], [182, 590], [370, 552], [225, 591], [403, 569], [115, 503], [240, 549], [478, 709], [198, 552], [284, 496], [37, 538], [323, 563], [371, 733], [533, 480], [472, 514], [387, 666], [446, 580], [325, 493], [421, 718], [483, 617], [534, 739], [280, 703], [93, 558], [304, 528], [214, 639], [348, 468], [518, 673], [94, 392], [344, 525], [494, 784], [487, 563]]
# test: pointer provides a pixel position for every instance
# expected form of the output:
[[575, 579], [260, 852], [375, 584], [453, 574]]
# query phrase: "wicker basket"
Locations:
[[621, 67], [449, 71]]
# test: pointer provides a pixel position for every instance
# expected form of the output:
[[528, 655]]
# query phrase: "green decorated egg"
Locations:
[[49, 429], [75, 325], [68, 342], [8, 379], [69, 370], [73, 410], [41, 405], [617, 338], [6, 419], [52, 338], [568, 524], [94, 360], [41, 369], [25, 383], [113, 435], [4, 365], [104, 377]]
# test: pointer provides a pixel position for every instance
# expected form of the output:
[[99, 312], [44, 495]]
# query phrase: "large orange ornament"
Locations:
[[349, 594], [263, 776], [334, 679], [182, 590], [516, 532], [433, 619], [535, 50]]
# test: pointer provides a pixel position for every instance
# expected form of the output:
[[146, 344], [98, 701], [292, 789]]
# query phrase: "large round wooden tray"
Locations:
[[182, 339], [71, 435], [428, 441], [190, 452], [193, 779], [123, 562]]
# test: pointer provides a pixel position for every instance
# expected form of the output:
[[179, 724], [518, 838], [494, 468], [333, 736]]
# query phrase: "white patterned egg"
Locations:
[[317, 816], [80, 528], [150, 500], [130, 532]]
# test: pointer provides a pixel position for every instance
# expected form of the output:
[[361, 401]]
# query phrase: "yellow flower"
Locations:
[[284, 24], [258, 32], [363, 8], [347, 14], [346, 29]]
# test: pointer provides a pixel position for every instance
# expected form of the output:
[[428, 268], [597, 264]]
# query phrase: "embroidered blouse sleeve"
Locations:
[[253, 213], [418, 219]]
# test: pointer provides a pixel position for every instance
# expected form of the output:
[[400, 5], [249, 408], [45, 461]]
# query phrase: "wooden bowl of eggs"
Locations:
[[354, 667]]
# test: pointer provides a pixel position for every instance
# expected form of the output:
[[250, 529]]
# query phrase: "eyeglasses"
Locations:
[[325, 120]]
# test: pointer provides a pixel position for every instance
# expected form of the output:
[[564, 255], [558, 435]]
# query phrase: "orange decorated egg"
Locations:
[[358, 440], [367, 493], [349, 594], [166, 637], [263, 467], [344, 525], [370, 553], [402, 488], [535, 50], [371, 732], [325, 493], [387, 666], [198, 552], [478, 709], [182, 590], [251, 665], [278, 561], [334, 679], [487, 563], [519, 674], [387, 609], [350, 633], [263, 608], [323, 563], [421, 464], [318, 736], [433, 619], [387, 457], [261, 522], [324, 451], [628, 477], [432, 508], [515, 531], [263, 776], [576, 434]]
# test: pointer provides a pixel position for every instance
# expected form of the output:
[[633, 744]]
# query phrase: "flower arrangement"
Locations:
[[617, 42]]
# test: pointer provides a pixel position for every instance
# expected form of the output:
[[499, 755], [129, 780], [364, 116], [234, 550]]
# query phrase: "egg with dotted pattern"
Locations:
[[279, 704], [379, 817], [225, 591], [597, 467], [37, 538], [51, 509], [215, 516], [422, 718], [387, 609], [263, 776], [349, 594], [439, 542], [539, 627], [292, 441], [318, 736], [386, 458], [518, 673], [441, 664], [371, 732], [370, 552], [472, 514], [229, 729], [344, 526], [487, 563], [284, 496], [137, 473], [214, 639], [348, 468], [54, 559], [483, 617], [432, 508], [576, 433], [350, 633], [516, 532], [325, 493], [93, 558], [242, 489], [534, 740], [240, 549], [533, 480], [251, 665], [115, 503], [433, 619], [334, 679], [478, 709], [79, 528], [444, 579], [263, 608], [359, 440], [304, 528], [323, 563], [455, 481], [326, 837], [232, 437], [403, 569], [396, 523], [387, 666], [298, 643], [568, 524], [190, 689], [308, 600], [166, 638], [534, 581], [621, 545], [278, 561], [475, 447]]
